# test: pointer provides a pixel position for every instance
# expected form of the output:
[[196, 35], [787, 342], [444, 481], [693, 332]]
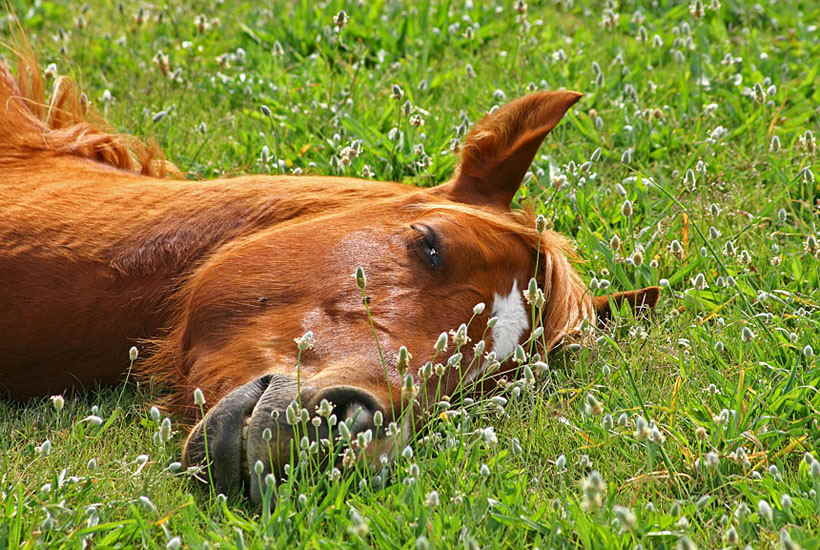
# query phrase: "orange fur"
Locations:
[[97, 253], [64, 124], [499, 149]]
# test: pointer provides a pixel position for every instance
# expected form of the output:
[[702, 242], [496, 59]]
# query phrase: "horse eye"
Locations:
[[428, 245]]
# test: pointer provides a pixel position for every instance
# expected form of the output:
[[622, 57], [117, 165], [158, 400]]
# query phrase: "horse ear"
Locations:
[[640, 301], [499, 149]]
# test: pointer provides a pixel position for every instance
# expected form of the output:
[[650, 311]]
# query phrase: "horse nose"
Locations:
[[356, 406], [250, 425]]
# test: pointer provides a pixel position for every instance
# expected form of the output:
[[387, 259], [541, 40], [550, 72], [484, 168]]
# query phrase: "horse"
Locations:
[[260, 298]]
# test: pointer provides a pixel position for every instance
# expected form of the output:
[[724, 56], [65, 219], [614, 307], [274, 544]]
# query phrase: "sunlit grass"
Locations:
[[691, 163]]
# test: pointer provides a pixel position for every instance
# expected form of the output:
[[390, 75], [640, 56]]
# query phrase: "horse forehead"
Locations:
[[511, 320]]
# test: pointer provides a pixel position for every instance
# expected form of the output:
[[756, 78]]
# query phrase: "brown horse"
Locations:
[[99, 250]]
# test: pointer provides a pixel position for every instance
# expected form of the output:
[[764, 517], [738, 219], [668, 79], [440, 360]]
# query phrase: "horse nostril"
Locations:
[[360, 416], [248, 426], [351, 403]]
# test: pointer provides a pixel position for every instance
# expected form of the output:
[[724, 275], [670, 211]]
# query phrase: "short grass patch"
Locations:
[[691, 163]]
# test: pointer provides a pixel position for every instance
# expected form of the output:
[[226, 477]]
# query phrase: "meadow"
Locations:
[[690, 162]]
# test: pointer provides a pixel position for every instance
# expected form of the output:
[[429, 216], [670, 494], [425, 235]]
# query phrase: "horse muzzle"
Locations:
[[253, 424]]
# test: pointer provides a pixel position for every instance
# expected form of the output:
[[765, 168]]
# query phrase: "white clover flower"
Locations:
[[363, 439], [625, 516], [146, 502], [641, 428], [655, 434], [58, 402], [531, 293], [765, 510], [165, 429], [488, 436], [199, 397], [460, 337], [441, 343], [306, 341], [44, 449], [409, 389], [594, 406], [93, 419], [814, 469], [359, 525], [324, 409], [593, 488], [292, 414], [699, 282], [627, 209]]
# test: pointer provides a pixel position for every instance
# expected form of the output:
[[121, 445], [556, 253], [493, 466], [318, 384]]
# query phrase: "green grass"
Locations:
[[652, 112]]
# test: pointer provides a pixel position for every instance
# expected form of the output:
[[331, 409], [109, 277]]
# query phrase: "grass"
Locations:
[[704, 124]]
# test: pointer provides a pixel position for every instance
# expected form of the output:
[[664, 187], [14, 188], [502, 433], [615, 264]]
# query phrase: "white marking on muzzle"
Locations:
[[512, 322]]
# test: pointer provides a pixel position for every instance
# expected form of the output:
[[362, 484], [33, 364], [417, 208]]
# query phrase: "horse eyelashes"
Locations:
[[429, 245], [433, 255]]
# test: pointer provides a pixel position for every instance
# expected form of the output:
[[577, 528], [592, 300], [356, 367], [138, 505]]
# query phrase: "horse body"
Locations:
[[221, 281]]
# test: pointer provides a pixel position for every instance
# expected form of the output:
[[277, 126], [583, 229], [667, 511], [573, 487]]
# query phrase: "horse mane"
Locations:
[[65, 123]]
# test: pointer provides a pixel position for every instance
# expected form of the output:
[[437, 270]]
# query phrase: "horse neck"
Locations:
[[141, 226]]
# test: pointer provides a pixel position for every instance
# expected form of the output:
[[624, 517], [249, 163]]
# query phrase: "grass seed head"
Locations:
[[58, 402], [593, 489], [199, 397], [765, 511]]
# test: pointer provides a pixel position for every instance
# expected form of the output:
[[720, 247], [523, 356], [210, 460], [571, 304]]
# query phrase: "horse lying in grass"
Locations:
[[100, 250]]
